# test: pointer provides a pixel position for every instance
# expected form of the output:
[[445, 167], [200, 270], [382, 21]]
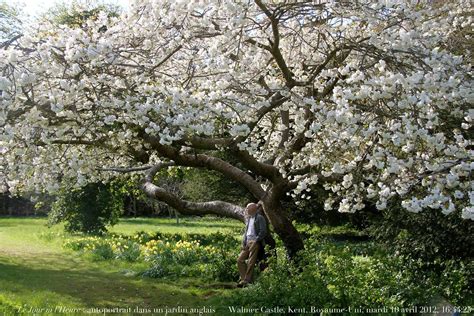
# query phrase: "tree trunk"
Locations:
[[283, 227], [134, 205], [271, 205]]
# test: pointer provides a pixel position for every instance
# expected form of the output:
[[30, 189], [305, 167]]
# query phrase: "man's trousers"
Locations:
[[250, 252]]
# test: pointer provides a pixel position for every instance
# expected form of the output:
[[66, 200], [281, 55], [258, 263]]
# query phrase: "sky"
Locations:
[[34, 8]]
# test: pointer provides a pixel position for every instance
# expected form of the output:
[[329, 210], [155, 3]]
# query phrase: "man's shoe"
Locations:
[[241, 284]]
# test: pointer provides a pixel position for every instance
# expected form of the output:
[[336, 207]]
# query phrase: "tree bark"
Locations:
[[283, 227], [273, 210], [187, 207]]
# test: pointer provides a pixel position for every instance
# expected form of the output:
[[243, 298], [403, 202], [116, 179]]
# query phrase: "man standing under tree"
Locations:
[[252, 243]]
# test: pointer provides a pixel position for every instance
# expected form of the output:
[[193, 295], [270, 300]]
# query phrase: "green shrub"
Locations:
[[210, 256], [433, 245], [158, 271], [102, 251], [222, 267], [83, 243], [88, 209], [128, 250], [216, 252], [190, 258], [284, 284], [428, 235], [96, 248], [456, 283], [330, 276]]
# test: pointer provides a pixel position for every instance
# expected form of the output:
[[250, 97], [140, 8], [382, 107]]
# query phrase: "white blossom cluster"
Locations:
[[380, 102]]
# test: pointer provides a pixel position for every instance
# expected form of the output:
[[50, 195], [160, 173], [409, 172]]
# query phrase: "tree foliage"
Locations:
[[88, 209], [361, 97], [428, 236]]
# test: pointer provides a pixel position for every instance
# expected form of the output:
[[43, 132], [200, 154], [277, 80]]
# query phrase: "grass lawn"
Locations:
[[198, 225], [37, 273]]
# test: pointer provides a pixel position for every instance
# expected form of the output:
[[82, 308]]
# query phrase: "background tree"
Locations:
[[359, 97], [88, 209]]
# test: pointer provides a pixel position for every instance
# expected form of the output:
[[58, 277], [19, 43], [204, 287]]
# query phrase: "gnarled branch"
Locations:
[[204, 161], [220, 208]]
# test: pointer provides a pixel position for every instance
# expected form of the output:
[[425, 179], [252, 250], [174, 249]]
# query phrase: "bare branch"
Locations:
[[166, 57], [275, 47]]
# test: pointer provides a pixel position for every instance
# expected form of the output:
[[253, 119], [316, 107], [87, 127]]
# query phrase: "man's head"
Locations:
[[251, 209]]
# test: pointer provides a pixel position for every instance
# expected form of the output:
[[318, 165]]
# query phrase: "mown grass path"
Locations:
[[36, 273]]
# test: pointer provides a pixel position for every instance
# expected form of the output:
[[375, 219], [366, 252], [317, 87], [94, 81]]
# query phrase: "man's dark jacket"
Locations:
[[260, 225]]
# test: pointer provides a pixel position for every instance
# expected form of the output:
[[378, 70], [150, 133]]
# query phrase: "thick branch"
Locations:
[[300, 140], [10, 41], [275, 48], [266, 170], [285, 120], [186, 207], [204, 161]]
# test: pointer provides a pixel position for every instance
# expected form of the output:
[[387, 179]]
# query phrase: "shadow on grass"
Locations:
[[89, 288]]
